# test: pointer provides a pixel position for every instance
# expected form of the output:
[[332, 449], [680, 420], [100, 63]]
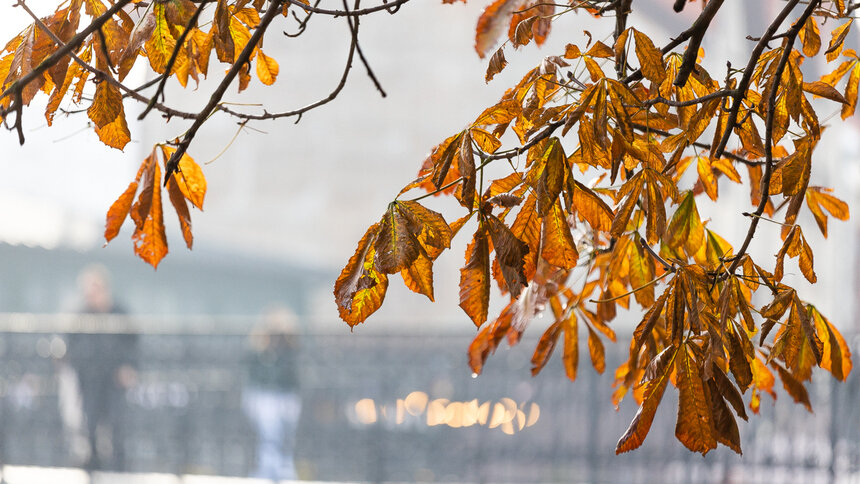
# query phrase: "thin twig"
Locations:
[[349, 13]]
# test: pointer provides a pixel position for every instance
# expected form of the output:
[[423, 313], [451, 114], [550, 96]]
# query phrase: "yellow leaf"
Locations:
[[501, 113], [810, 37], [159, 47], [686, 227], [487, 141], [267, 68], [837, 37]]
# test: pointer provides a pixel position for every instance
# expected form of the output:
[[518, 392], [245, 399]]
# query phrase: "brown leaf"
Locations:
[[794, 387], [694, 427], [497, 63], [824, 90], [360, 288], [510, 252], [545, 346], [661, 367], [396, 246], [177, 199], [492, 24], [725, 427], [818, 199], [475, 279]]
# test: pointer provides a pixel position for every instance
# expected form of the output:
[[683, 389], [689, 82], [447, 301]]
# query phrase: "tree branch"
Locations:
[[791, 36], [180, 42], [744, 83], [102, 75], [172, 164]]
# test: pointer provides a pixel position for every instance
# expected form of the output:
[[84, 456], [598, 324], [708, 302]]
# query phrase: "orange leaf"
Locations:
[[497, 63], [119, 211], [570, 357], [694, 427], [545, 346], [115, 134], [650, 58], [360, 288], [150, 241], [836, 357], [596, 351], [107, 104], [592, 208], [181, 207], [418, 277], [475, 279], [818, 198], [267, 68], [189, 177], [794, 387], [492, 24], [559, 248]]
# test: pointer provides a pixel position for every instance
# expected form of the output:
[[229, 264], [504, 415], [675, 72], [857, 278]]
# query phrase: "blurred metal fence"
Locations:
[[395, 407]]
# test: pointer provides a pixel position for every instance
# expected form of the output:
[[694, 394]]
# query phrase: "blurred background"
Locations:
[[229, 364]]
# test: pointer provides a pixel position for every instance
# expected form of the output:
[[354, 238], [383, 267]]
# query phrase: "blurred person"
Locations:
[[104, 364], [271, 397]]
